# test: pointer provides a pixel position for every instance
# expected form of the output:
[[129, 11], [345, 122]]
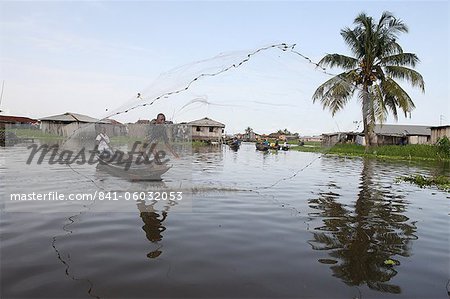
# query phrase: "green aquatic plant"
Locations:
[[442, 182], [443, 146], [394, 152]]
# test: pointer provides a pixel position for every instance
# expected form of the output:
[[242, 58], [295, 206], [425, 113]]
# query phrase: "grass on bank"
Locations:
[[33, 133], [408, 152]]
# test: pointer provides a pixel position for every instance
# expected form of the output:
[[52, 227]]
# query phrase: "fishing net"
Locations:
[[142, 150]]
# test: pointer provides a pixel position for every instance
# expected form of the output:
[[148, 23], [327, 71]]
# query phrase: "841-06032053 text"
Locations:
[[143, 195]]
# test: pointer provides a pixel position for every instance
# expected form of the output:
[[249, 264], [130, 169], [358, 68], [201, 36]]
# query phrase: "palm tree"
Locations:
[[248, 134], [378, 60]]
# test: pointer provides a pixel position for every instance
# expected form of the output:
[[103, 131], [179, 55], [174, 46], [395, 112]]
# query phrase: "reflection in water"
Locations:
[[153, 223], [359, 242], [207, 149], [207, 158]]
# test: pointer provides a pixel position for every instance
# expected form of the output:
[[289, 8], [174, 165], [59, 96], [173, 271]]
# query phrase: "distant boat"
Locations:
[[275, 147], [234, 146], [262, 147]]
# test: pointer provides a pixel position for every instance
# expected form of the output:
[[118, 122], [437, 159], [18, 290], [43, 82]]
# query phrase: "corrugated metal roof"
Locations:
[[393, 130], [143, 122], [402, 130], [112, 121], [440, 127], [337, 133], [206, 122], [72, 117], [16, 119]]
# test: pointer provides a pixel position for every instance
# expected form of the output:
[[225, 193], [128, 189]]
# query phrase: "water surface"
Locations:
[[323, 232]]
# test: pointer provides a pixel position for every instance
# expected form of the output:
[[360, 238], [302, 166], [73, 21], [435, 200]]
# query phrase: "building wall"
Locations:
[[418, 140], [144, 131], [250, 136], [201, 133], [112, 129], [68, 129], [138, 130], [395, 140], [2, 134], [437, 133], [311, 138], [330, 140], [390, 140]]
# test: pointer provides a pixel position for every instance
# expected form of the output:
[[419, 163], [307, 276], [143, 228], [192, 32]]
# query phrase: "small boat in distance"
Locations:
[[262, 147], [274, 147], [234, 144], [234, 147]]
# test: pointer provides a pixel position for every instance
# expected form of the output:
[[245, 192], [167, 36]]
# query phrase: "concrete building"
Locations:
[[66, 124], [401, 134], [11, 122], [384, 135], [206, 129], [311, 138], [18, 120], [331, 139]]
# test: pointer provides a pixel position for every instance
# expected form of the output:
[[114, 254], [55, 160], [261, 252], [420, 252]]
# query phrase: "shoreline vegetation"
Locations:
[[411, 152], [395, 152]]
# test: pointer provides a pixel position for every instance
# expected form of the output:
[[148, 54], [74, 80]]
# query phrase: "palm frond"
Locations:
[[379, 112], [390, 25], [386, 16], [363, 20], [335, 92], [407, 74], [395, 94], [397, 26], [337, 60], [402, 59], [391, 104], [386, 46], [351, 38]]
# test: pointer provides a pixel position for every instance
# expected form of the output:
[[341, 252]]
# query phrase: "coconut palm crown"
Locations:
[[378, 61]]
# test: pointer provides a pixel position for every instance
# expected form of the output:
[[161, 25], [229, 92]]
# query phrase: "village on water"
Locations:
[[207, 131]]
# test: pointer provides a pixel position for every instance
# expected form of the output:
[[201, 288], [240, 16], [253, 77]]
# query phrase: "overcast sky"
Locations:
[[93, 57]]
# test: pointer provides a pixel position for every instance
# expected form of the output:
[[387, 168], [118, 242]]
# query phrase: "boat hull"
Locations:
[[141, 172], [234, 147], [262, 147]]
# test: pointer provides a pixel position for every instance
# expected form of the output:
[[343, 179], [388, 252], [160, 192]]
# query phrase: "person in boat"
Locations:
[[158, 133], [266, 142], [103, 143]]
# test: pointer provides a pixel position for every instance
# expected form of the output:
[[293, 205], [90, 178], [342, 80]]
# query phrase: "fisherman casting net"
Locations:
[[149, 138]]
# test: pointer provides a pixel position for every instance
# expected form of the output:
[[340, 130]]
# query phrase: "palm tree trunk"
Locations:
[[367, 123]]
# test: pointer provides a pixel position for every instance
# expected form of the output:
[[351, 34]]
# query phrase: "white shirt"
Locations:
[[103, 144]]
